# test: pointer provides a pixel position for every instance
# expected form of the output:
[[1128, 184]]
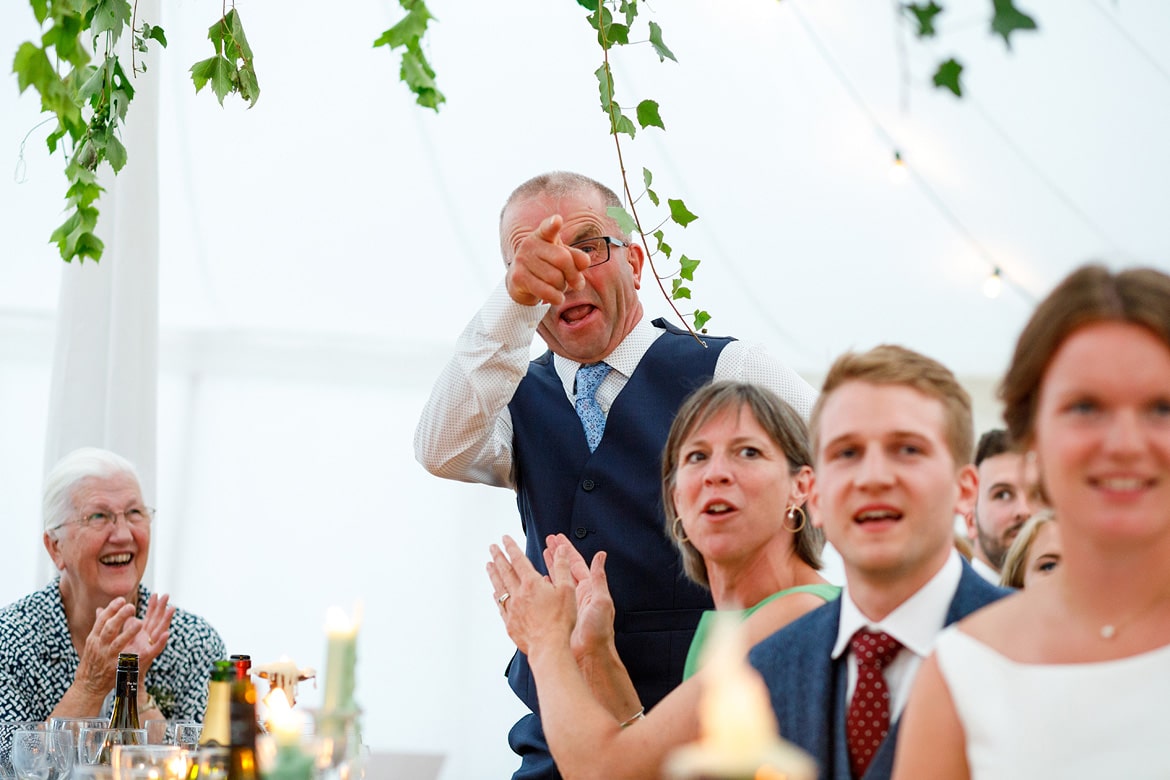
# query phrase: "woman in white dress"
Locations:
[[1070, 679]]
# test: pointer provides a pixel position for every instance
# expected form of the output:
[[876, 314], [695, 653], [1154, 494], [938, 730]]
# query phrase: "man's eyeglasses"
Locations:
[[136, 517], [597, 248]]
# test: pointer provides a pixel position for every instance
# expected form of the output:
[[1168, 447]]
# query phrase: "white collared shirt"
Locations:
[[984, 571], [465, 430], [915, 623]]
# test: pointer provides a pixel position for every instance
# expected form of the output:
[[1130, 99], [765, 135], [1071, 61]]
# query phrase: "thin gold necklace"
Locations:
[[1110, 630]]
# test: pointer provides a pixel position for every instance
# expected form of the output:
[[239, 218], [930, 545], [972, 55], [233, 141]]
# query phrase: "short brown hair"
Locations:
[[784, 427], [559, 184], [890, 364], [1090, 294]]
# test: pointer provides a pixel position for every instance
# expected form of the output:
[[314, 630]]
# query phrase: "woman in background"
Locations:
[[1034, 553], [59, 646]]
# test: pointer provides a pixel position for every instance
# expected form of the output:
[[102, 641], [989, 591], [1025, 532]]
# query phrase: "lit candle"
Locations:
[[341, 658], [286, 726], [739, 735]]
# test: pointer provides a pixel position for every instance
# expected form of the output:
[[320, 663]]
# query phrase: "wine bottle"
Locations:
[[125, 712], [243, 665], [243, 730], [217, 718]]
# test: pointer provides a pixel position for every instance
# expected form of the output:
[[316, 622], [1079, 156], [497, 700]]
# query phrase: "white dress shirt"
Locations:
[[916, 623], [465, 431], [984, 571]]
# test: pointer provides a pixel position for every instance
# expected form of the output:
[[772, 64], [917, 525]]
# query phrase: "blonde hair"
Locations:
[[1015, 563]]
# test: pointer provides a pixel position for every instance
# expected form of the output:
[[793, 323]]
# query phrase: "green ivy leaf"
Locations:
[[687, 268], [624, 221], [417, 74], [924, 17], [630, 9], [677, 291], [110, 16], [408, 30], [154, 32], [679, 212], [40, 10], [604, 87], [115, 153], [94, 84], [660, 47], [947, 76], [589, 5], [1008, 18], [648, 114], [244, 51], [32, 67], [663, 247], [701, 319], [624, 125], [615, 35], [65, 38], [216, 70]]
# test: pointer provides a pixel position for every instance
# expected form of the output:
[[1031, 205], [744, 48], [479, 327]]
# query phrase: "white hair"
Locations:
[[70, 471]]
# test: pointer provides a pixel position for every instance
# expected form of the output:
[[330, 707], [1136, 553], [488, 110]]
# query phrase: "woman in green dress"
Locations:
[[736, 473]]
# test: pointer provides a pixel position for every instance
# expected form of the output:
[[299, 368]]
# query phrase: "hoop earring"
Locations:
[[681, 538], [791, 515]]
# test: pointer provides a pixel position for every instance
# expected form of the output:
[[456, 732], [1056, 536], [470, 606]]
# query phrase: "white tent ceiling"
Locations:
[[337, 206]]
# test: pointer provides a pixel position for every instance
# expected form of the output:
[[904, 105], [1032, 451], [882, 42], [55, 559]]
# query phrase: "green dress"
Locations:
[[702, 632]]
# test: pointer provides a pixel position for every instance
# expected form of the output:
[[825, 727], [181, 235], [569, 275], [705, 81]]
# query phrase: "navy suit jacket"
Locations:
[[808, 686]]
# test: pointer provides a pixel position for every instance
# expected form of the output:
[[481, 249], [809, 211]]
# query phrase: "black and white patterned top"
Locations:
[[38, 661]]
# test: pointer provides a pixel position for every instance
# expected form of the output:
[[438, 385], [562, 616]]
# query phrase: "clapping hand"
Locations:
[[595, 611], [535, 608]]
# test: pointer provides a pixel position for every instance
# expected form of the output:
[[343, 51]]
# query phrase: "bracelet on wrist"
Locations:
[[639, 716]]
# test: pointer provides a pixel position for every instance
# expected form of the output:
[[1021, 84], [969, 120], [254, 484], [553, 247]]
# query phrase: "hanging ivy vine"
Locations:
[[83, 85]]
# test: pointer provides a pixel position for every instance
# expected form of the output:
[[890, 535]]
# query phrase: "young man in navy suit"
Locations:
[[892, 438]]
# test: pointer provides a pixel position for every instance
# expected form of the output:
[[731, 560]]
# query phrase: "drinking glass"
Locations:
[[156, 731], [75, 725], [213, 763], [149, 762], [184, 733], [92, 772], [7, 729], [96, 746], [42, 754]]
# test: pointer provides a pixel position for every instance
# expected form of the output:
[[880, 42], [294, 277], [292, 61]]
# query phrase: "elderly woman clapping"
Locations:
[[59, 646]]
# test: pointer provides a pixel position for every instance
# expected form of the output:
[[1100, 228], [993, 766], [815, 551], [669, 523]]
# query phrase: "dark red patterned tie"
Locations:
[[868, 720]]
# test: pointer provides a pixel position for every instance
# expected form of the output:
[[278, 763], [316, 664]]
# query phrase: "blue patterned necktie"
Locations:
[[592, 418]]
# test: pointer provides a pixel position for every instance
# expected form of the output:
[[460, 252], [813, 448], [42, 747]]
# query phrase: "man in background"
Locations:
[[1007, 498]]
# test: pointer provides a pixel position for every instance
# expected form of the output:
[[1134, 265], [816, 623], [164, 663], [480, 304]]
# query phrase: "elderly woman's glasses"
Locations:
[[137, 517], [597, 248]]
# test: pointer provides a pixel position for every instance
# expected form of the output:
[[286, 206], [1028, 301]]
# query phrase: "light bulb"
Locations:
[[993, 284], [898, 173]]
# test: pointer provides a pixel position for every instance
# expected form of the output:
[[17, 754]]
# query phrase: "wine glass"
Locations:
[[42, 755], [214, 763], [95, 746], [7, 729], [184, 733], [156, 762], [92, 772]]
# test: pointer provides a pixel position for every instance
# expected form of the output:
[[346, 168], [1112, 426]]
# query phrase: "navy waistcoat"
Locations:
[[611, 500]]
